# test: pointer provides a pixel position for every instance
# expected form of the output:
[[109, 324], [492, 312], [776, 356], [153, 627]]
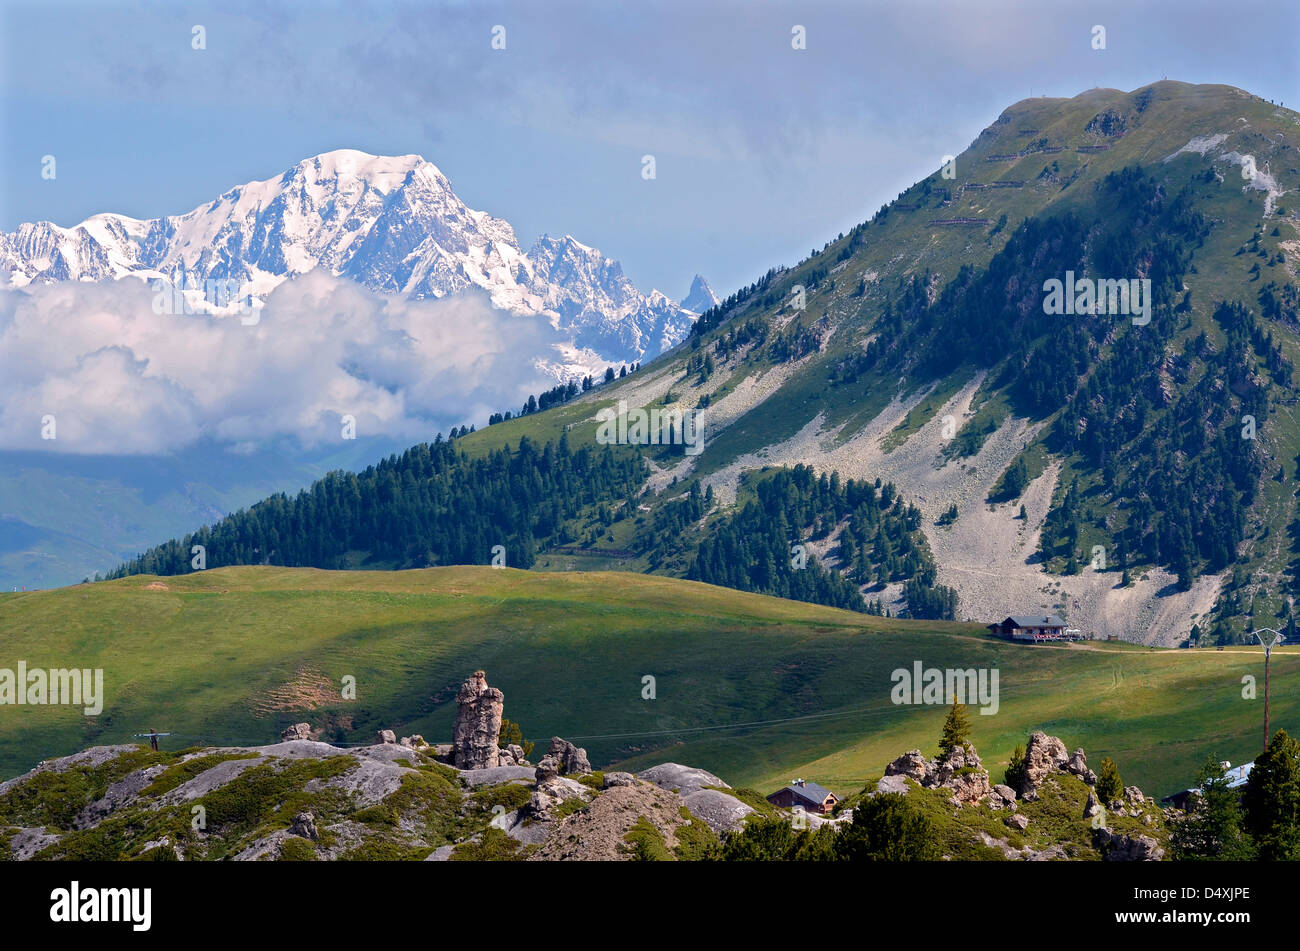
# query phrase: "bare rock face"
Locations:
[[1017, 821], [1043, 755], [1092, 807], [385, 736], [1127, 848], [911, 764], [478, 724], [512, 755], [304, 824], [960, 771], [681, 779], [896, 783], [1002, 797], [551, 793], [563, 757], [1078, 766], [963, 773], [299, 731]]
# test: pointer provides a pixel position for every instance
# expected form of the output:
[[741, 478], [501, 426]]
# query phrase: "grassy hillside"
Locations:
[[232, 655], [1115, 437]]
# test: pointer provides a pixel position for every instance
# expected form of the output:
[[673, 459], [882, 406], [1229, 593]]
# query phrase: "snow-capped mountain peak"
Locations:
[[392, 223], [700, 297]]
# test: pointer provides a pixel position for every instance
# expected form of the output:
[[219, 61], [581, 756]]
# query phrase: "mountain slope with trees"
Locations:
[[1165, 447]]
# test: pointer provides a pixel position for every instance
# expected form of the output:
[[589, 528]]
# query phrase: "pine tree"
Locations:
[[888, 828], [1213, 829], [1109, 785], [1014, 775], [1272, 800], [956, 728]]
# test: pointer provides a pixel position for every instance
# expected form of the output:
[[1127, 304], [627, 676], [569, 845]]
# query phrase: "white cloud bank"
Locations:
[[121, 380]]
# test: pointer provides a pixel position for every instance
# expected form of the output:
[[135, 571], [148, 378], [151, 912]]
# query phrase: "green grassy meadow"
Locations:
[[754, 688]]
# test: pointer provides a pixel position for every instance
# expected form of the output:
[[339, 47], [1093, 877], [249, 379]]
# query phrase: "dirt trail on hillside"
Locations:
[[989, 554]]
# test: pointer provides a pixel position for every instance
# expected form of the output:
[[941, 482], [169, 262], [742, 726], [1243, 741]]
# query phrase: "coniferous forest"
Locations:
[[432, 505], [765, 546]]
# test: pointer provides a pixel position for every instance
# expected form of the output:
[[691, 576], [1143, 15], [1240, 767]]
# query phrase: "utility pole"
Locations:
[[1278, 638]]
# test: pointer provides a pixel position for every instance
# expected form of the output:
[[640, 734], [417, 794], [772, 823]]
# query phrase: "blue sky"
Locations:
[[762, 151]]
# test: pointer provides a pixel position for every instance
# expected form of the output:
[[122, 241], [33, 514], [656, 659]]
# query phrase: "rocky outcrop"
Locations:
[[1108, 124], [896, 783], [1043, 755], [911, 764], [304, 824], [720, 811], [1002, 797], [1127, 848], [599, 831], [478, 724], [299, 731], [385, 736], [512, 755], [963, 773], [415, 741], [681, 779], [960, 771], [552, 793], [1092, 807], [563, 757], [1078, 766]]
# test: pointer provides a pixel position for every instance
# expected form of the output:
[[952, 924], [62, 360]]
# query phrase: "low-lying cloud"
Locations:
[[118, 379]]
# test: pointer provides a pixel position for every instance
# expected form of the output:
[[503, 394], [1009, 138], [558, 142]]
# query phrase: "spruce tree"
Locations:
[[956, 728], [1014, 775], [1109, 785], [1213, 829], [1272, 800]]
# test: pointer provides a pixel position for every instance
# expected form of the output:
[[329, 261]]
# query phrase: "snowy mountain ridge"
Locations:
[[391, 223]]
